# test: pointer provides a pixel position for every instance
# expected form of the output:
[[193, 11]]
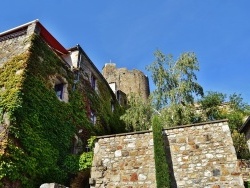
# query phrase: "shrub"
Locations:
[[161, 166]]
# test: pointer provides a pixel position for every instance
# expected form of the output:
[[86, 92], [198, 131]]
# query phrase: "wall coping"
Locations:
[[170, 128], [197, 124]]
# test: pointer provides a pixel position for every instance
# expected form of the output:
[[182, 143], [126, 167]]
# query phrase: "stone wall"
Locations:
[[244, 167], [11, 45], [199, 156], [124, 161], [203, 155], [15, 43], [128, 81]]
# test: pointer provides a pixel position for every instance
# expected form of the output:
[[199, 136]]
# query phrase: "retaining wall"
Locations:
[[199, 156]]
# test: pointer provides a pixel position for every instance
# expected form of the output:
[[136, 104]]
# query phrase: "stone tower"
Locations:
[[127, 81]]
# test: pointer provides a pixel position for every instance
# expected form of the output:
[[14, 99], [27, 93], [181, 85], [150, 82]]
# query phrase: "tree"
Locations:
[[211, 106], [240, 145], [176, 86], [161, 165], [138, 115], [214, 106]]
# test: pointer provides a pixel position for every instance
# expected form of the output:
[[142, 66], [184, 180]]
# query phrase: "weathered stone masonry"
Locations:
[[128, 81], [124, 161], [203, 156], [200, 155]]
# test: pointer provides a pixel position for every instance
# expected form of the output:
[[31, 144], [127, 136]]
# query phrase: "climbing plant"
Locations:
[[41, 130]]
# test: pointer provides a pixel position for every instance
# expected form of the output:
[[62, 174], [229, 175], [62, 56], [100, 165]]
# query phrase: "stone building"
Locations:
[[127, 81], [52, 99]]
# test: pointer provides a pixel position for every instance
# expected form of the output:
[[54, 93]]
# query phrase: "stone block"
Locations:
[[98, 181], [131, 145], [91, 181], [97, 174], [118, 153], [134, 177], [115, 178]]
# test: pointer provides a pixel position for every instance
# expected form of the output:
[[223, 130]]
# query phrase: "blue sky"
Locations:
[[127, 32]]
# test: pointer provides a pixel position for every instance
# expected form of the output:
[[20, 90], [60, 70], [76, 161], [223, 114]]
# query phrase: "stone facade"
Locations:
[[11, 45], [244, 167], [199, 156], [15, 43], [124, 161], [128, 81]]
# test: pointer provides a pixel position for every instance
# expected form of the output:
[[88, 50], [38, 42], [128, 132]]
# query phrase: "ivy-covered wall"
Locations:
[[39, 128]]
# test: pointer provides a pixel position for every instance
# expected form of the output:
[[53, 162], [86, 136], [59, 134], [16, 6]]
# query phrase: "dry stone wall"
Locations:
[[124, 161], [199, 156]]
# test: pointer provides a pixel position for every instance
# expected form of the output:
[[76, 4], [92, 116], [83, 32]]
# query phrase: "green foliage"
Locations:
[[86, 158], [237, 104], [161, 166], [173, 98], [175, 81], [71, 163], [214, 107], [175, 92], [179, 115], [176, 87], [42, 127], [211, 106], [75, 163], [10, 84], [108, 122], [240, 145], [138, 115]]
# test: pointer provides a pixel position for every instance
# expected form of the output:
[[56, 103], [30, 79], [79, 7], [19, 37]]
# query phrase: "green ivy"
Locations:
[[108, 122], [42, 127], [76, 163], [38, 146]]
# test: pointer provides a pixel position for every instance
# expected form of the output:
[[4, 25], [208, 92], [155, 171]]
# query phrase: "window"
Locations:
[[59, 90], [60, 87], [93, 117], [93, 82], [112, 106]]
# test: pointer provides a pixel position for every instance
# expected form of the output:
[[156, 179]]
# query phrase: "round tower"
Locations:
[[128, 81]]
